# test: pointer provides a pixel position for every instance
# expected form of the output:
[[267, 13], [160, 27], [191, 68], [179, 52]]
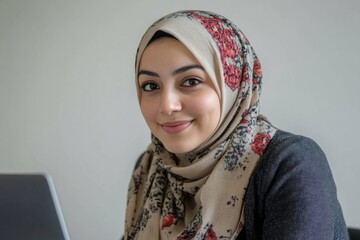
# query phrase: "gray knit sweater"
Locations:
[[292, 194]]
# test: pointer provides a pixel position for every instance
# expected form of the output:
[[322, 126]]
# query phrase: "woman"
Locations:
[[216, 168]]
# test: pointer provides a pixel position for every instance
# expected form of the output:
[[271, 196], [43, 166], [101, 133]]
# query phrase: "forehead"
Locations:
[[166, 51]]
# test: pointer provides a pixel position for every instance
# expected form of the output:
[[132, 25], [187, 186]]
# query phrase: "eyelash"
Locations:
[[188, 83]]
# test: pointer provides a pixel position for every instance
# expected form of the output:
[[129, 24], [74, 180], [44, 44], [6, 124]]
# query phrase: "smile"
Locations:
[[175, 127]]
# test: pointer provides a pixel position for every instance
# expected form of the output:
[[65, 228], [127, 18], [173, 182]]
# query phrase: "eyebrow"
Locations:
[[176, 72]]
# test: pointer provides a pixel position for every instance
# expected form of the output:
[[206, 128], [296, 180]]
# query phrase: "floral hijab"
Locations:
[[203, 197]]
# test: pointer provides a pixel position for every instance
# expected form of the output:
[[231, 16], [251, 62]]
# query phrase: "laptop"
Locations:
[[29, 208]]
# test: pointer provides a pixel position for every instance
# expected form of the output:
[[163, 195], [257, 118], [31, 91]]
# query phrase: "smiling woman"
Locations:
[[216, 168]]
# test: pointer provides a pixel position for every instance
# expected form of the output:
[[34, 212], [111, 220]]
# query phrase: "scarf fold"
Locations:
[[200, 194]]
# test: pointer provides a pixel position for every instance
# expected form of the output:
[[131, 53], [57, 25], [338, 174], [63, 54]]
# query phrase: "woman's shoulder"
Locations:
[[293, 160], [291, 156], [287, 150], [290, 143], [293, 186]]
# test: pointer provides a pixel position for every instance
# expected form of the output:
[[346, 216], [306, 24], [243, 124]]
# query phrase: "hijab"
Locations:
[[200, 194]]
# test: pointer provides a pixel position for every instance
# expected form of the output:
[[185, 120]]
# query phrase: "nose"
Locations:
[[170, 102]]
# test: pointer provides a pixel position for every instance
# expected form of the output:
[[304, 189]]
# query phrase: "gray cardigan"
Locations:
[[292, 194]]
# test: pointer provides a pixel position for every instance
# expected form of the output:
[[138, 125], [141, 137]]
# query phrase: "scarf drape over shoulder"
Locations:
[[200, 194]]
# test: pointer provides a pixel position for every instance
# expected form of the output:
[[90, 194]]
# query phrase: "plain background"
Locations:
[[68, 104]]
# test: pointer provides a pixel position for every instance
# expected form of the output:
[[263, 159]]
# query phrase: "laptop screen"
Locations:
[[29, 208]]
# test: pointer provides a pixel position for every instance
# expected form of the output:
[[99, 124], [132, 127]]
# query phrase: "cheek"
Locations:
[[148, 110], [207, 105]]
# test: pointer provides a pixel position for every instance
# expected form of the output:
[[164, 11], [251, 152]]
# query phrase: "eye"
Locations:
[[191, 82], [150, 86]]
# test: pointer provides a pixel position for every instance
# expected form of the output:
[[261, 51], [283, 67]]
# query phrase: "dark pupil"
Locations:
[[153, 86]]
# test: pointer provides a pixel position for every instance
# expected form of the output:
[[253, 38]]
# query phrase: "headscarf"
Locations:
[[200, 194]]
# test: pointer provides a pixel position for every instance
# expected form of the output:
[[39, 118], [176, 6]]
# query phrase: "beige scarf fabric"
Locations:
[[200, 194]]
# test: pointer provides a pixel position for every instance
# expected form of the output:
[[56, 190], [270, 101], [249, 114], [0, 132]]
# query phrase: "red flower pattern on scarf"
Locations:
[[260, 143], [168, 220], [257, 68], [223, 37], [257, 71], [232, 75], [210, 234]]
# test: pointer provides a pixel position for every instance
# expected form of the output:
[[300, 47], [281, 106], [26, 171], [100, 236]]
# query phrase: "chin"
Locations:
[[179, 149]]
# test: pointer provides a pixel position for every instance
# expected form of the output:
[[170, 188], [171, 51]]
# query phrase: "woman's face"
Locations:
[[177, 97]]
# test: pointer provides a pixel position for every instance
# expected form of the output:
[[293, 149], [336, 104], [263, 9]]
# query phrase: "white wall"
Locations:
[[68, 105]]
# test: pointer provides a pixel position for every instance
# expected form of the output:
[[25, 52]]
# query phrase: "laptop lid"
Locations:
[[29, 208]]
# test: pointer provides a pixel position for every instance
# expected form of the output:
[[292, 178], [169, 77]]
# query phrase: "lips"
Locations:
[[175, 127]]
